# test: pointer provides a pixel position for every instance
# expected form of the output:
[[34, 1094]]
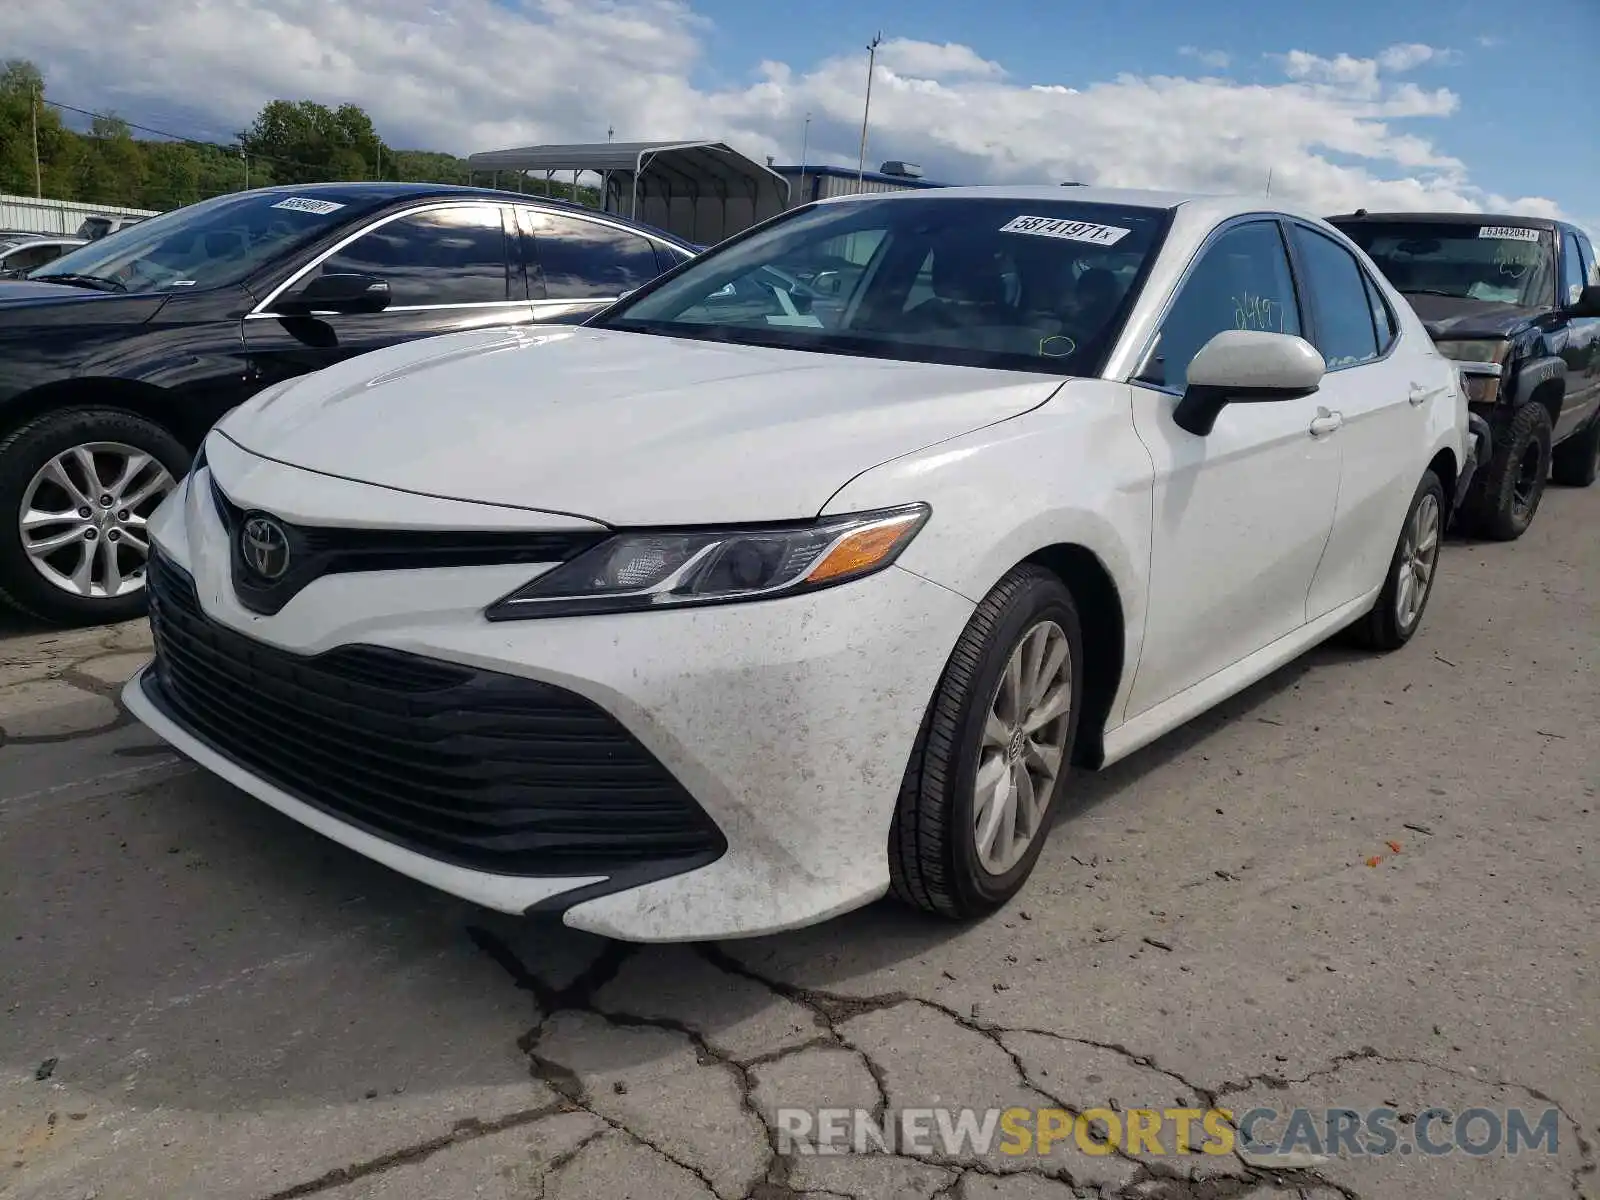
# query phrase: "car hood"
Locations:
[[623, 428], [1460, 317], [26, 302]]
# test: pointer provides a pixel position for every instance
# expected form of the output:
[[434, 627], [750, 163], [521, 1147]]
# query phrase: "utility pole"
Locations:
[[245, 159], [805, 144], [1269, 181], [38, 178], [866, 110]]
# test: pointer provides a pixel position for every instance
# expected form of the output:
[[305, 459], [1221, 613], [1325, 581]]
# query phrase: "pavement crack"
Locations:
[[467, 1130]]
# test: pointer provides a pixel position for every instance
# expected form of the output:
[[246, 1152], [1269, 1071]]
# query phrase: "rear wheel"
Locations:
[[1502, 505], [1577, 460], [77, 488], [1398, 612], [988, 767]]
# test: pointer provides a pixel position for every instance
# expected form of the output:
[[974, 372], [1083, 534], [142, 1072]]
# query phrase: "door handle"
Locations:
[[1420, 393], [1325, 423]]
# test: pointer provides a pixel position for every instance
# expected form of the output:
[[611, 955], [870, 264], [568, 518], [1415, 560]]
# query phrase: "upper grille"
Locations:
[[315, 551], [472, 767]]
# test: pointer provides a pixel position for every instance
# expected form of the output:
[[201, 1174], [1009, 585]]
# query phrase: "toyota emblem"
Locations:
[[265, 547]]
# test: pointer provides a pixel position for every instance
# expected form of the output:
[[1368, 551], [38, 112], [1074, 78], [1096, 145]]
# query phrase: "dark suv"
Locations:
[[1516, 301], [116, 358]]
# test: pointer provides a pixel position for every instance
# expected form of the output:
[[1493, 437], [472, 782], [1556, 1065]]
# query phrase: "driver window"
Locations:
[[441, 256], [1242, 281]]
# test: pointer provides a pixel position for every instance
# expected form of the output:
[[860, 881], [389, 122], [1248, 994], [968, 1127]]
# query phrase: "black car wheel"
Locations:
[[1503, 503], [996, 744], [1577, 460], [77, 488]]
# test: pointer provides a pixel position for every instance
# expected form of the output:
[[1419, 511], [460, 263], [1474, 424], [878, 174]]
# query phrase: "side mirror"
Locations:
[[1588, 304], [340, 293], [1246, 366], [828, 283]]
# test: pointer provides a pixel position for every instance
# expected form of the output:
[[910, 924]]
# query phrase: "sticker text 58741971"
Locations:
[[1071, 231]]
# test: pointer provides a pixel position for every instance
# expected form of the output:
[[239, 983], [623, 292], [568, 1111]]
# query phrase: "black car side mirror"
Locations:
[[339, 293], [1588, 304]]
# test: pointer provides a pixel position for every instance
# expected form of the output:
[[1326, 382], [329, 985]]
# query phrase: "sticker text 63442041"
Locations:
[[1072, 231], [301, 204], [1509, 233]]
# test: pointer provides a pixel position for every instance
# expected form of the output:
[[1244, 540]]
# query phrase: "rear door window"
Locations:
[[1345, 332], [579, 259]]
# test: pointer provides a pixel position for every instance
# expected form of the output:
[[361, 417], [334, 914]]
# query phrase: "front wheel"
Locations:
[[1502, 504], [77, 488], [987, 770], [1398, 612]]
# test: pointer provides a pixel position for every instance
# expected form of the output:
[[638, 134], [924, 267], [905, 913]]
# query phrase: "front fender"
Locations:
[[1535, 373], [1071, 472]]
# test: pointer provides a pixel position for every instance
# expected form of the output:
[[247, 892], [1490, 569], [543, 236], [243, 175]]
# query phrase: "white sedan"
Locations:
[[714, 618]]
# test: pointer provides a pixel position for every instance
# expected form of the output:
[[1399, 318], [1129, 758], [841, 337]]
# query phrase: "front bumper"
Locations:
[[788, 722], [1480, 447]]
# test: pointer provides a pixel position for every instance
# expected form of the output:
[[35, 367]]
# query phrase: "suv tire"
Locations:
[[1503, 505]]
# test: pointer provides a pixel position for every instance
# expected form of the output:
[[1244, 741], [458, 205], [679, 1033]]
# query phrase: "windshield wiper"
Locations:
[[1435, 292], [98, 282]]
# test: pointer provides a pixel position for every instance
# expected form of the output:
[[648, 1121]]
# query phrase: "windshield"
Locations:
[[1505, 264], [209, 244], [1020, 284]]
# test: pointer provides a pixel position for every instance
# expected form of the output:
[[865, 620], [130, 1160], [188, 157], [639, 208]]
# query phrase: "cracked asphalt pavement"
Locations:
[[202, 999]]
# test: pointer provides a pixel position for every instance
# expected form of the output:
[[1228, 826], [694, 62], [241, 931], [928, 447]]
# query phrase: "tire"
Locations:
[[1576, 461], [935, 863], [1391, 624], [41, 586], [1503, 502]]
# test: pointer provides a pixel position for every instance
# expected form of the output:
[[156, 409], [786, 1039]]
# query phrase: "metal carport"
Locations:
[[702, 191]]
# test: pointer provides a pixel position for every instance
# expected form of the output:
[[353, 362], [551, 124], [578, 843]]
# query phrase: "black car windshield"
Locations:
[[209, 244], [1504, 264], [1019, 284]]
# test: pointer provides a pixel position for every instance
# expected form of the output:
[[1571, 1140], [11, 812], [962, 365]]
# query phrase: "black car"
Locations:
[[116, 358], [1516, 300]]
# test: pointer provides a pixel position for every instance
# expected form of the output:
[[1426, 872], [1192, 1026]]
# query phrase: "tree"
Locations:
[[21, 92], [307, 142]]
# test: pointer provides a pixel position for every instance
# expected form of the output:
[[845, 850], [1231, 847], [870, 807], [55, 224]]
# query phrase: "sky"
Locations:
[[1445, 104]]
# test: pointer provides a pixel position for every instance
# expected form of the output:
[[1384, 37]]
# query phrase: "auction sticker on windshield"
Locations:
[[1072, 231], [300, 204], [1509, 233]]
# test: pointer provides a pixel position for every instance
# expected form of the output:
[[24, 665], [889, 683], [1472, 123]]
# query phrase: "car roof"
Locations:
[[1200, 204], [1450, 218], [377, 193]]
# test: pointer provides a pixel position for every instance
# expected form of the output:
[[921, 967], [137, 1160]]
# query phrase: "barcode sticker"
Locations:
[[1509, 233], [300, 204], [1072, 231]]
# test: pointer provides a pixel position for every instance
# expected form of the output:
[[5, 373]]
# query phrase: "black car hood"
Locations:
[[1461, 317], [35, 302]]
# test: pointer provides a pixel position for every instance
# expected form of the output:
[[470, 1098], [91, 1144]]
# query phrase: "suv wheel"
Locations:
[[1577, 460], [77, 488], [987, 770], [1503, 505]]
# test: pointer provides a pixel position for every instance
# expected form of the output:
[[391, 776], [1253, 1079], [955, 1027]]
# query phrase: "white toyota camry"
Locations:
[[805, 573]]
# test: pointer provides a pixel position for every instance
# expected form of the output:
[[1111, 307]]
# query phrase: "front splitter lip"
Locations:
[[514, 894]]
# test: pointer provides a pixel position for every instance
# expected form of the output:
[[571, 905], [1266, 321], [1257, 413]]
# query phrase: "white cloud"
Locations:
[[471, 75], [1217, 60], [1414, 54]]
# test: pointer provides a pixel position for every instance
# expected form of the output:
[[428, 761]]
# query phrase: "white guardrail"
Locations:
[[37, 215]]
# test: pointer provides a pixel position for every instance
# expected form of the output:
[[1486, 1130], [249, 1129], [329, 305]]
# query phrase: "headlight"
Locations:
[[675, 568], [1477, 350]]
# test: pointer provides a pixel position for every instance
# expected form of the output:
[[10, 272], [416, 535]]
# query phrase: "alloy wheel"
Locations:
[[1419, 554], [1025, 734], [84, 514]]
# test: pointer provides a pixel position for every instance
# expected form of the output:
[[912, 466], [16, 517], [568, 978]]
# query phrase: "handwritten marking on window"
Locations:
[[1257, 312]]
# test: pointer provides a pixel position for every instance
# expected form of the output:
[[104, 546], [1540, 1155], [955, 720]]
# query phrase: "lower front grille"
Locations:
[[471, 767]]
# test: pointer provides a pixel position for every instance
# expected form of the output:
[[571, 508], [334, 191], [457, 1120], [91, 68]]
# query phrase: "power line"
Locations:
[[178, 137]]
